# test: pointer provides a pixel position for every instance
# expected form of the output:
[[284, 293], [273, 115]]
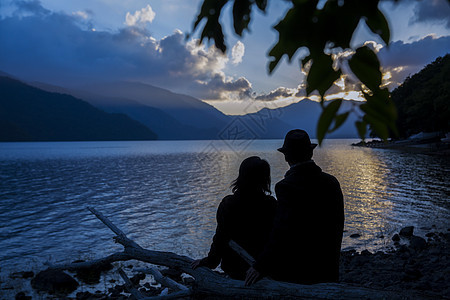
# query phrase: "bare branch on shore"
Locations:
[[209, 283], [119, 256], [129, 285], [163, 280]]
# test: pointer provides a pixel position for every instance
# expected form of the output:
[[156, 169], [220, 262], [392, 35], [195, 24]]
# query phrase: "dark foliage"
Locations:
[[321, 30], [423, 99]]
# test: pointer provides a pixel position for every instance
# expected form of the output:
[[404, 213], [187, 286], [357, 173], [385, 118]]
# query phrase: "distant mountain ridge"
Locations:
[[175, 116], [274, 123], [31, 114], [172, 116], [185, 117], [187, 110]]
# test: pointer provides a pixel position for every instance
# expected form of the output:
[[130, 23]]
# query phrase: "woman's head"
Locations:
[[254, 176]]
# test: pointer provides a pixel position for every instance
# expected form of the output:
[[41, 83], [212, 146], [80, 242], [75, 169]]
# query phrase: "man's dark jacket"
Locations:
[[247, 219], [305, 242]]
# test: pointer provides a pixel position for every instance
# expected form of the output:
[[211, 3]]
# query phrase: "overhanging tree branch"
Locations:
[[322, 30]]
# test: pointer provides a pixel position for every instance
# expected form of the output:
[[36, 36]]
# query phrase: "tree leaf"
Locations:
[[365, 65], [241, 15], [295, 30], [378, 126], [319, 31], [361, 126], [262, 4], [325, 119], [305, 60], [377, 22], [212, 29], [321, 75], [338, 121], [380, 106], [338, 22]]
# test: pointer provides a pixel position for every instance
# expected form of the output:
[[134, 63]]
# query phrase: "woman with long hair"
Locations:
[[246, 217]]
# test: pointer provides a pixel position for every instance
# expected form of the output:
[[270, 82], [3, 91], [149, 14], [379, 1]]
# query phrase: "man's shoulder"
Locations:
[[299, 180], [329, 177], [281, 183], [284, 185]]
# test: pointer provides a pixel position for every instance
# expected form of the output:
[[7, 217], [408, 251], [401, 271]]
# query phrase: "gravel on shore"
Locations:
[[420, 264], [414, 264]]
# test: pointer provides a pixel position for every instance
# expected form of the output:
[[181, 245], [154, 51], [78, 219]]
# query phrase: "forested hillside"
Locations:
[[423, 99]]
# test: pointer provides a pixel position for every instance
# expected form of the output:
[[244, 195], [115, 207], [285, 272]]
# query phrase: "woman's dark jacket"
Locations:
[[247, 219], [305, 243]]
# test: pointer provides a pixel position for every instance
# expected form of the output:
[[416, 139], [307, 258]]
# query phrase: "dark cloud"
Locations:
[[33, 6], [432, 11], [40, 45], [221, 88], [403, 59], [52, 47], [278, 93]]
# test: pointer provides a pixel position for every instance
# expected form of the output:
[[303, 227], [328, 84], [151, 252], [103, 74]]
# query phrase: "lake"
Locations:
[[164, 194]]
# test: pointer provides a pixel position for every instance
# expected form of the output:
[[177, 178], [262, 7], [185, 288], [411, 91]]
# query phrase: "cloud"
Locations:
[[40, 45], [60, 49], [83, 14], [237, 52], [402, 59], [219, 87], [140, 17], [398, 60], [33, 6], [276, 94], [432, 11]]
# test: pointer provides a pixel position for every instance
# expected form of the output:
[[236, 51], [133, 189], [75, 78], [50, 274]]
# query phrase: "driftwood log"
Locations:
[[211, 284]]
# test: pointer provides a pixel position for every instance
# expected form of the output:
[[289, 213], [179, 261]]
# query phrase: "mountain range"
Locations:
[[167, 115], [31, 114]]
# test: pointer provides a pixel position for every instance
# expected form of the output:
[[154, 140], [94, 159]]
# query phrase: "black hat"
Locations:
[[296, 140]]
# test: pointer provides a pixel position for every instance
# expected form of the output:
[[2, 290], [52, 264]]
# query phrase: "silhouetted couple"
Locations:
[[295, 239]]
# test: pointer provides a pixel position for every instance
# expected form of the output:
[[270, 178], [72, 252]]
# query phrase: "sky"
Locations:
[[71, 43]]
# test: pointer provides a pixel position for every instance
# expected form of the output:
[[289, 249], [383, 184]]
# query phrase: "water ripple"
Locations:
[[165, 194]]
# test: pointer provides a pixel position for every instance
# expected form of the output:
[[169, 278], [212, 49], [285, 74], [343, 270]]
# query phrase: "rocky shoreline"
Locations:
[[414, 264], [422, 147]]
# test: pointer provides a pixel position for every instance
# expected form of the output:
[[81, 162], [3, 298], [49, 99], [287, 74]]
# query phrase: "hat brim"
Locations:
[[285, 150]]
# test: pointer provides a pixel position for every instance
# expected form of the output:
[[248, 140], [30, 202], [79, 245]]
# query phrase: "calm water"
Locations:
[[164, 194]]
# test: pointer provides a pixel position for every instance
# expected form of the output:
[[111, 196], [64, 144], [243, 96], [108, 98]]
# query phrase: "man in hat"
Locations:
[[305, 242]]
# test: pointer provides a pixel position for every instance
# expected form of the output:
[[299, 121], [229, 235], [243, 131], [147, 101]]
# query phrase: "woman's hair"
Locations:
[[254, 176]]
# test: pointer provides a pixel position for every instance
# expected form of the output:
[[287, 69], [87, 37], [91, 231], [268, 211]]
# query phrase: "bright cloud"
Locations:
[[82, 14], [140, 17], [237, 52], [276, 94]]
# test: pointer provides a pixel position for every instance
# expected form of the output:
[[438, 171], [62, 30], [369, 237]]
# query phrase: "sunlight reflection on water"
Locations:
[[164, 194]]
